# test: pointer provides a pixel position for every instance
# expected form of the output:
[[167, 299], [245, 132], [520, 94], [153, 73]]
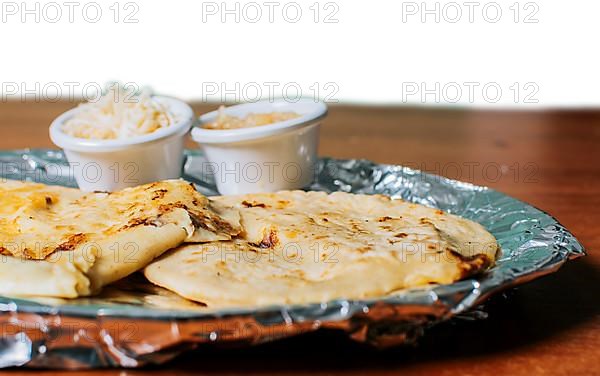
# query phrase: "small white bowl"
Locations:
[[264, 158], [110, 165]]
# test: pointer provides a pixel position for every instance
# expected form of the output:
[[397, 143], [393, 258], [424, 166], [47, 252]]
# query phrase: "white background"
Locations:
[[377, 52]]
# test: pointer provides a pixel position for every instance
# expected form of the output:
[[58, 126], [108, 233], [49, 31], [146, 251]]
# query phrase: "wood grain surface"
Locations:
[[550, 159]]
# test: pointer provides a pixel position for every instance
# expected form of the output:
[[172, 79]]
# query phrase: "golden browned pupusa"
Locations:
[[300, 247], [98, 237]]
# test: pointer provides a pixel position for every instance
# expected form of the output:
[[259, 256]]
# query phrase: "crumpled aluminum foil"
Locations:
[[127, 327]]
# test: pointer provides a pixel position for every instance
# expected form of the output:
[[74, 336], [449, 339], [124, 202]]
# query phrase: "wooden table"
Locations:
[[550, 159]]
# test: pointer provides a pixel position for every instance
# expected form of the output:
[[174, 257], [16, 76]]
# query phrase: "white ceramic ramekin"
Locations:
[[265, 158], [110, 165]]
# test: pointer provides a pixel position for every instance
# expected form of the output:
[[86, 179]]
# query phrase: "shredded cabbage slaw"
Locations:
[[118, 115]]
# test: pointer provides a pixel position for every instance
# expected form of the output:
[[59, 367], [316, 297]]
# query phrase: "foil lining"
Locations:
[[129, 326]]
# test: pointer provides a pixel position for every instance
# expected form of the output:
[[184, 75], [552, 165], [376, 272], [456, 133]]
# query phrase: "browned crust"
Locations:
[[72, 242], [165, 208], [150, 221], [269, 240], [471, 265], [199, 220], [218, 224], [253, 204], [159, 194]]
